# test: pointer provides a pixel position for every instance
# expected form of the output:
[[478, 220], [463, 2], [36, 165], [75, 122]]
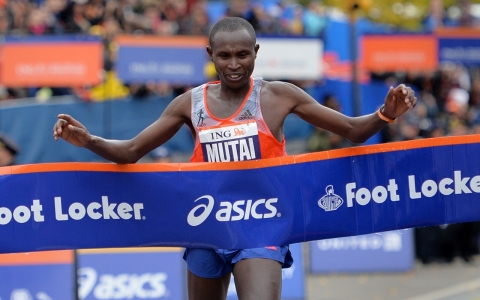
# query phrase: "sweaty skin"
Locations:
[[234, 54]]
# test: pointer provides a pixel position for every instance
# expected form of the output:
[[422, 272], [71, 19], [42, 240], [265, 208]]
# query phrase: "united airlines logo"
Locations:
[[330, 201]]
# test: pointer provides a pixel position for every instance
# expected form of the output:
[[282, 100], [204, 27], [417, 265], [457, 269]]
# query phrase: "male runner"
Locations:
[[248, 107]]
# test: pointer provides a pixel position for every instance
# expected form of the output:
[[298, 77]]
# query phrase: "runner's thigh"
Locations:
[[207, 288], [258, 278]]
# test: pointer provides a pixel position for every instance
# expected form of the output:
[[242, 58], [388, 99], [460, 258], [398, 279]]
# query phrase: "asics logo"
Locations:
[[207, 209], [236, 211], [120, 286]]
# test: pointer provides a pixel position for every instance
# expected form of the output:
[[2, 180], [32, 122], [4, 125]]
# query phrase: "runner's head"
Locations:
[[232, 24], [233, 50]]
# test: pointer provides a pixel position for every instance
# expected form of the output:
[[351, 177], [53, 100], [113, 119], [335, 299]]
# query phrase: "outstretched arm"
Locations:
[[397, 101], [357, 129], [127, 151]]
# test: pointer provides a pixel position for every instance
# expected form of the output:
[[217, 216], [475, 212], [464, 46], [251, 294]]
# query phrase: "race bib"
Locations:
[[227, 143]]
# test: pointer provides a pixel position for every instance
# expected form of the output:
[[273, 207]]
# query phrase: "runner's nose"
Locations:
[[233, 64]]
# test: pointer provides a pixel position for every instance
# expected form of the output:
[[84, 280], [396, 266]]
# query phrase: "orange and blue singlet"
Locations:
[[243, 136]]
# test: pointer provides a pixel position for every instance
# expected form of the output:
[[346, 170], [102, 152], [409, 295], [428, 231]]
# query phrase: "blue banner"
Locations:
[[152, 274], [244, 204], [172, 65], [390, 251], [39, 282], [459, 50], [176, 60]]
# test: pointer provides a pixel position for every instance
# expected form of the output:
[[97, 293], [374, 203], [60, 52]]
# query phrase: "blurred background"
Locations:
[[116, 64]]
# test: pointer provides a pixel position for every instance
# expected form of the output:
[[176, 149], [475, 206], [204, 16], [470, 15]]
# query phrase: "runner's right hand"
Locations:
[[71, 131]]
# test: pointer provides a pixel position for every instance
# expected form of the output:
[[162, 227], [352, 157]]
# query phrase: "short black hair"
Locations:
[[231, 24]]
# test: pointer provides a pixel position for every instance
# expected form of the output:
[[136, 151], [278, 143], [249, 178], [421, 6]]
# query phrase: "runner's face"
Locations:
[[233, 55]]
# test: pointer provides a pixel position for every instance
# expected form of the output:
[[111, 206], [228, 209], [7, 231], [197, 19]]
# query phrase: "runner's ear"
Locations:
[[209, 51]]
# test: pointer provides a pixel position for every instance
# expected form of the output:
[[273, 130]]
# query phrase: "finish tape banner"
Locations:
[[241, 204]]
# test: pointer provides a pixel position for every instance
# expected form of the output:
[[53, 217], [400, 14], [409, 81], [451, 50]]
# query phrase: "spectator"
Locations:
[[37, 22], [74, 18], [197, 22], [4, 21], [296, 24], [18, 14], [314, 20], [267, 20], [8, 150], [94, 11]]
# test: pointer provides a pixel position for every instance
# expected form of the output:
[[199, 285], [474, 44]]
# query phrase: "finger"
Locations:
[[391, 92], [58, 129], [75, 129], [401, 89], [412, 97], [69, 119], [408, 103], [410, 93], [414, 102], [59, 125], [411, 102]]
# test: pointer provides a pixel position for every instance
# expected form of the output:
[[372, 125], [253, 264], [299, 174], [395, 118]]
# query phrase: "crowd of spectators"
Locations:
[[448, 104], [109, 18], [104, 18], [449, 99]]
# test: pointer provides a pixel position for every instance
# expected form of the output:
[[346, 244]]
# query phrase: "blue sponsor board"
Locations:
[[244, 204], [37, 282], [293, 278], [175, 65], [465, 51], [132, 275], [390, 251]]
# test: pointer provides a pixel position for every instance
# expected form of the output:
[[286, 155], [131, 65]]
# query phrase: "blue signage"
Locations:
[[174, 65], [37, 282], [390, 251], [243, 204], [293, 278], [459, 50], [131, 275]]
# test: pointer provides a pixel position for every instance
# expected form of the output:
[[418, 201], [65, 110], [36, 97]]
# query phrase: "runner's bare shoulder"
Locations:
[[279, 88]]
